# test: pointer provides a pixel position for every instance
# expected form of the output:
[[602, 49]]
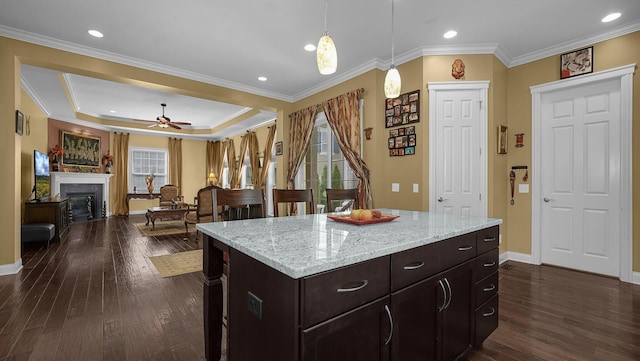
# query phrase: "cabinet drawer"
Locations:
[[416, 264], [486, 288], [330, 293], [486, 318], [486, 264], [487, 239]]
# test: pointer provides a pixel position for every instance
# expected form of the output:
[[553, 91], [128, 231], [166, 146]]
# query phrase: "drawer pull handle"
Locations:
[[444, 293], [415, 265], [353, 289], [490, 288], [386, 308], [465, 248], [490, 264], [450, 293], [492, 239], [491, 312]]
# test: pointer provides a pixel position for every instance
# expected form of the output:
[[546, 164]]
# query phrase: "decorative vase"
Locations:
[[150, 187], [55, 163], [107, 168]]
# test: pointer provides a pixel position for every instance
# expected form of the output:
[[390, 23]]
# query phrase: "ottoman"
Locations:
[[35, 232]]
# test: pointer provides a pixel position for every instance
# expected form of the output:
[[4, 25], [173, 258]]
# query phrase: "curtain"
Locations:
[[266, 162], [244, 147], [175, 162], [343, 116], [215, 160], [234, 172], [299, 137], [254, 158], [119, 183]]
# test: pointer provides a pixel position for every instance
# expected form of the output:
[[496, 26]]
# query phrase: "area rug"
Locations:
[[178, 263], [163, 228]]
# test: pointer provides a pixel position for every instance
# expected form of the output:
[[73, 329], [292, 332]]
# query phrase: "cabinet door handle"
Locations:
[[414, 265], [490, 264], [386, 308], [490, 288], [353, 289], [490, 313], [450, 293], [444, 293], [492, 239], [465, 248]]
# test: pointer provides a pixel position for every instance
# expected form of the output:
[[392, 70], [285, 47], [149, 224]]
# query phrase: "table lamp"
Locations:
[[212, 178]]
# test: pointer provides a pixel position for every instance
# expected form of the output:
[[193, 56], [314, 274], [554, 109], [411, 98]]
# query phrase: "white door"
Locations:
[[457, 151], [580, 177]]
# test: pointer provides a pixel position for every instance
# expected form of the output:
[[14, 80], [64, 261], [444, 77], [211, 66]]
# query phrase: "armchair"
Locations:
[[169, 193]]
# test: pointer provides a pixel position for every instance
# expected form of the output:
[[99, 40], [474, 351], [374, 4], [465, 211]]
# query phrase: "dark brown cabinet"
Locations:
[[54, 212], [432, 302], [362, 334]]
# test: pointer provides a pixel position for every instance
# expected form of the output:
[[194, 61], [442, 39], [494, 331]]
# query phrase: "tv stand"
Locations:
[[51, 211]]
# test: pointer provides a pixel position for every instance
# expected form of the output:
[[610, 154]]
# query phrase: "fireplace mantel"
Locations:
[[58, 178]]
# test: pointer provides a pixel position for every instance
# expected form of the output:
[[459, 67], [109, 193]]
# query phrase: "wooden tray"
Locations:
[[346, 219]]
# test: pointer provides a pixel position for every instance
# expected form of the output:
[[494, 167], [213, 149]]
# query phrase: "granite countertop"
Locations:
[[304, 245]]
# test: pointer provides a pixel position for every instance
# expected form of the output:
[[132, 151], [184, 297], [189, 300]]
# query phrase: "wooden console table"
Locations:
[[131, 196]]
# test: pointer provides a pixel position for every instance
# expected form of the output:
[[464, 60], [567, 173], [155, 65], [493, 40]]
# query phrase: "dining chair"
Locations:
[[239, 204], [349, 195], [293, 196]]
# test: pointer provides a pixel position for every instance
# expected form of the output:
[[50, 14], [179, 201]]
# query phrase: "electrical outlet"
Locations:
[[395, 187], [254, 304]]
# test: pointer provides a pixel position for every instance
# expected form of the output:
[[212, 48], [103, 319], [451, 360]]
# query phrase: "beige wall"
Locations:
[[509, 98]]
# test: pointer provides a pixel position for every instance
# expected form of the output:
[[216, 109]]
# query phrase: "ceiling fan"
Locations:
[[163, 121]]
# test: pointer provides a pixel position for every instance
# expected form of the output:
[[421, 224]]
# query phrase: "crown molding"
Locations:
[[574, 44], [33, 95]]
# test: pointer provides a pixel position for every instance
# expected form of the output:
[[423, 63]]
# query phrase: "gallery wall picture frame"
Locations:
[[577, 62], [502, 139], [19, 122], [278, 148], [80, 150], [402, 110], [402, 141]]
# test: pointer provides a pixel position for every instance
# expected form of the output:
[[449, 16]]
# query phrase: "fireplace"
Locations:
[[77, 187]]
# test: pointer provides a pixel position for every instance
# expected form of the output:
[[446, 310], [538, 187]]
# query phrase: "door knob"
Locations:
[[441, 199], [547, 200]]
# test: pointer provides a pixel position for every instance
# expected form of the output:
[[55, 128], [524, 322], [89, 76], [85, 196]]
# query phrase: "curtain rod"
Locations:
[[319, 106]]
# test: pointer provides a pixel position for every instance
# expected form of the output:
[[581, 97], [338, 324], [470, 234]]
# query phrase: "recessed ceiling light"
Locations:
[[450, 34], [95, 33], [112, 111], [610, 17], [262, 78], [310, 47]]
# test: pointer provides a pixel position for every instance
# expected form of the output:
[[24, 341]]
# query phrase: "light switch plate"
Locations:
[[395, 187], [523, 188], [415, 188]]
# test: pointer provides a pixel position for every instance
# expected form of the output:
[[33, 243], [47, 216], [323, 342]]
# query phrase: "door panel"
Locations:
[[458, 158], [580, 173]]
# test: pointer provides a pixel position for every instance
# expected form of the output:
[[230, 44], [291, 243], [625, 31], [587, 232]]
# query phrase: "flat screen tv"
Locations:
[[42, 186]]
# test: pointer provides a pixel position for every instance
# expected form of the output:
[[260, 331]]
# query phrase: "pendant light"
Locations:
[[392, 82], [326, 55]]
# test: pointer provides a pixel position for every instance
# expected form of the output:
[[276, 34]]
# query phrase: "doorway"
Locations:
[[581, 186], [457, 147]]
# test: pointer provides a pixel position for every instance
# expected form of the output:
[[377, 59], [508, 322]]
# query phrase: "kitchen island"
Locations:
[[423, 286]]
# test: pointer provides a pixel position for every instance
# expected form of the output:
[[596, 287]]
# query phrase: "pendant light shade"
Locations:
[[326, 55], [392, 82]]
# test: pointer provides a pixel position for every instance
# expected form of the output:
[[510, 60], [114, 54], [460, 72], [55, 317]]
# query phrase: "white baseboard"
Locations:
[[11, 269], [526, 258]]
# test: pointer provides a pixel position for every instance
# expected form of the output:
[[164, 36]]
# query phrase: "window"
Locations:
[[324, 169], [144, 162]]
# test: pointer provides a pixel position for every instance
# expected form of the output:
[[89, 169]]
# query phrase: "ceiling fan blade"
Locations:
[[146, 121], [172, 125], [152, 125], [183, 123]]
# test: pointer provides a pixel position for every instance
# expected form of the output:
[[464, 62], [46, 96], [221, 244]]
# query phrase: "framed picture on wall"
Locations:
[[278, 148], [80, 150], [19, 122], [576, 63], [502, 139], [402, 110]]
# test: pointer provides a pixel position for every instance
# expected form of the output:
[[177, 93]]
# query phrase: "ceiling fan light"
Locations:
[[163, 125], [326, 56], [392, 83]]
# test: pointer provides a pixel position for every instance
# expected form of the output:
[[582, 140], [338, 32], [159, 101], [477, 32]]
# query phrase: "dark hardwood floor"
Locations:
[[96, 296]]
